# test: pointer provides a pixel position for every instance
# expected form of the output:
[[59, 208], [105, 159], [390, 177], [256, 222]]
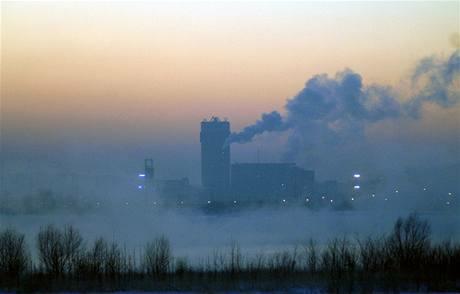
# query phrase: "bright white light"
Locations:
[[424, 189], [284, 200], [352, 199], [332, 200], [323, 197], [209, 201], [373, 195], [139, 187], [308, 200], [450, 194], [396, 191], [141, 175], [356, 187], [356, 176], [234, 201]]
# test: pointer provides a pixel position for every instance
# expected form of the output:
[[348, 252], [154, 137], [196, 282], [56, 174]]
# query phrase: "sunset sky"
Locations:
[[148, 73]]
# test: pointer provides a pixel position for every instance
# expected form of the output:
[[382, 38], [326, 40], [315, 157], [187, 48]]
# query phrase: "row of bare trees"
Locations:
[[406, 255]]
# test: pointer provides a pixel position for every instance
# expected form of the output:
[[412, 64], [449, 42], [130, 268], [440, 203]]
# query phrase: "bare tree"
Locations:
[[157, 256], [96, 257], [283, 262], [181, 266], [218, 261], [113, 260], [59, 251], [51, 250], [338, 258], [409, 241], [73, 248], [258, 263], [235, 263], [372, 255], [14, 258], [311, 254]]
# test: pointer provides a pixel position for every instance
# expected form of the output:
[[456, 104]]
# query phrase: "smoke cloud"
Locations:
[[269, 122], [331, 111]]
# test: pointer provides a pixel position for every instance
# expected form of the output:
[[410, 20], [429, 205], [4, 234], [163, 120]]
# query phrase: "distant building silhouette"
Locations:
[[225, 183], [178, 191], [270, 181], [149, 174], [215, 155]]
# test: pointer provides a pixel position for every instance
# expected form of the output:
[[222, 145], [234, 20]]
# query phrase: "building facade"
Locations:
[[215, 155], [270, 181]]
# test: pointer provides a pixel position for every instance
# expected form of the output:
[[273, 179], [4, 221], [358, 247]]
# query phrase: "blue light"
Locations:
[[356, 187], [141, 175], [139, 187]]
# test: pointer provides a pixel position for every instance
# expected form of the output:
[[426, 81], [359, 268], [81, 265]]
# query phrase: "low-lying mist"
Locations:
[[194, 232]]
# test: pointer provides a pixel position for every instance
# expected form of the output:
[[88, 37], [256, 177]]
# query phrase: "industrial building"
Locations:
[[177, 191], [215, 155], [230, 183], [246, 181], [270, 181]]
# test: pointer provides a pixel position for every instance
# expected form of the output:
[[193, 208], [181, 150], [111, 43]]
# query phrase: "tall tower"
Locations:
[[148, 173], [215, 155]]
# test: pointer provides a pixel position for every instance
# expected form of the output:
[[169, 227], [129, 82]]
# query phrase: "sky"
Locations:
[[102, 85]]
